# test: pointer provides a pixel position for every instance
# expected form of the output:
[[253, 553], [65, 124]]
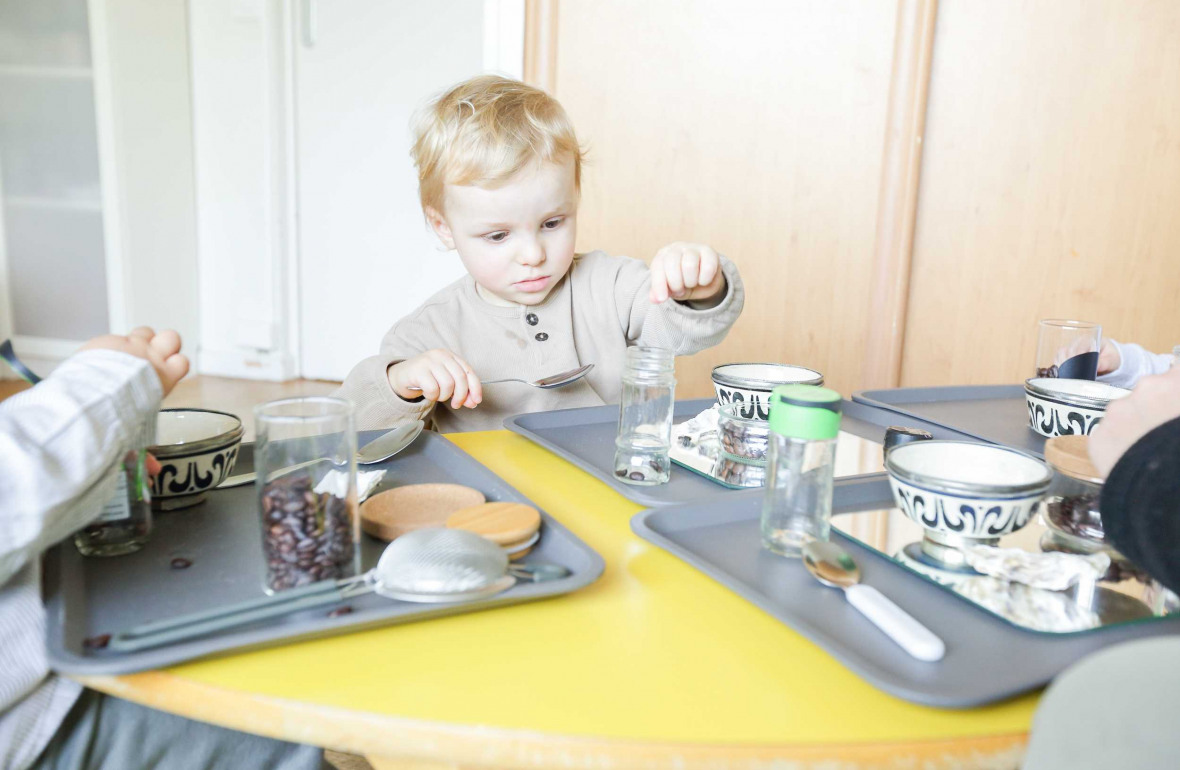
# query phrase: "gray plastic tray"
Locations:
[[86, 597], [586, 437], [997, 414], [987, 658]]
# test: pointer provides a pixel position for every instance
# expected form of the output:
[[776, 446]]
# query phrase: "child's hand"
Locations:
[[1154, 401], [686, 271], [438, 375], [160, 349], [1108, 358]]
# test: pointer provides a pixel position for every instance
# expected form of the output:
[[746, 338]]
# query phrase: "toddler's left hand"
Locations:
[[686, 271]]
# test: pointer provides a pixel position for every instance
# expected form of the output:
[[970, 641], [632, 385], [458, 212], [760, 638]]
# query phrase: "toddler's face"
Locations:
[[516, 240]]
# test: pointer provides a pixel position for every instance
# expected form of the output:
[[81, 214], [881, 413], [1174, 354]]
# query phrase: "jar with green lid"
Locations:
[[797, 500]]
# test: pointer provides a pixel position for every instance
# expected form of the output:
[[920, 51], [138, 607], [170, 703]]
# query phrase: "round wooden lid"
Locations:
[[395, 512], [1070, 455], [502, 523]]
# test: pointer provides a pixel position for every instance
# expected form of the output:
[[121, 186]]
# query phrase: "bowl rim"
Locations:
[[753, 383], [941, 486], [212, 443], [1070, 399]]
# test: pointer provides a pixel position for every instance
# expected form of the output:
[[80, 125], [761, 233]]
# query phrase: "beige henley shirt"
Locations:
[[597, 310]]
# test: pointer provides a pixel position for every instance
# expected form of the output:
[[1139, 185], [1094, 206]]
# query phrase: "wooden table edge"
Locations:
[[390, 741]]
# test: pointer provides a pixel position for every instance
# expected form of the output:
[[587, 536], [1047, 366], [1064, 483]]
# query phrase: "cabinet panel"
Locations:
[[1050, 184], [367, 257], [756, 127]]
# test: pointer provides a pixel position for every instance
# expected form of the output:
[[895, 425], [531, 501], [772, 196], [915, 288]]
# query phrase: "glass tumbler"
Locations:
[[1068, 349], [305, 458], [645, 416]]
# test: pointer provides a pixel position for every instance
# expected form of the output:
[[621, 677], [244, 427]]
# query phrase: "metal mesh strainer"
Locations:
[[439, 565], [428, 565]]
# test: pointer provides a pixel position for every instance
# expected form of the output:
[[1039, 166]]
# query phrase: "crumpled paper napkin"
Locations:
[[1053, 571], [336, 483]]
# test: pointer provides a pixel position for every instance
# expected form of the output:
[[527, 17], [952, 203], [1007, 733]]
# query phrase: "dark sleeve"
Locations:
[[1141, 504]]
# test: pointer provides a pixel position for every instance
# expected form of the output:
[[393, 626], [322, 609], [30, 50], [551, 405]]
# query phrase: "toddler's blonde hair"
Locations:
[[485, 130]]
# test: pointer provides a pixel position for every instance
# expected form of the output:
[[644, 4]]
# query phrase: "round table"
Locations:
[[654, 665]]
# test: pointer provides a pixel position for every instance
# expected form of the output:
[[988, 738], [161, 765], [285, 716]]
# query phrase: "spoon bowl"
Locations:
[[832, 566], [378, 450]]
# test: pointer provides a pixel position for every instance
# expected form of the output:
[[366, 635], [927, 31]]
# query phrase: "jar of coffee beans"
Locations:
[[305, 458]]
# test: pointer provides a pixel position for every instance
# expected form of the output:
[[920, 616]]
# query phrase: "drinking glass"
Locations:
[[645, 417], [1068, 349], [305, 458]]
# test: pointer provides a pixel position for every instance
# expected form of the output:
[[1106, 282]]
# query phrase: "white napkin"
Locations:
[[336, 483], [1054, 571], [694, 441]]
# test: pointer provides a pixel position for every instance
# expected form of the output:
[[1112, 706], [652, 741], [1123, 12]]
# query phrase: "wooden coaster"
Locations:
[[522, 548], [1071, 455], [395, 512], [502, 523]]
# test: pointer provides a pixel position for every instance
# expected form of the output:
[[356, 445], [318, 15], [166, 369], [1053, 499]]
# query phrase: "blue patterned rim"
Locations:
[[964, 489]]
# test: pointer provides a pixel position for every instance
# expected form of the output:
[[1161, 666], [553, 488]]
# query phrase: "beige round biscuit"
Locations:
[[395, 512], [502, 523]]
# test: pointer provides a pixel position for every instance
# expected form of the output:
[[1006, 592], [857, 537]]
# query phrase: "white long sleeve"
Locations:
[[1135, 364], [58, 444]]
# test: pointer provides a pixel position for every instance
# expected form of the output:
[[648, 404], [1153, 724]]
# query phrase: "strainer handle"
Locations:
[[199, 623]]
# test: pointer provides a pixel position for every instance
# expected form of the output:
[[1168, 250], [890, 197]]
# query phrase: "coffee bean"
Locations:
[[181, 563], [636, 476], [96, 642], [345, 610]]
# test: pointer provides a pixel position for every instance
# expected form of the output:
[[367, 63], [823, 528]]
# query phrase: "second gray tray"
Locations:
[[987, 659], [88, 597], [997, 414], [586, 437]]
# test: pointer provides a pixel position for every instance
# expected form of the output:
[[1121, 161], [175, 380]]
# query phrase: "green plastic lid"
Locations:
[[805, 411]]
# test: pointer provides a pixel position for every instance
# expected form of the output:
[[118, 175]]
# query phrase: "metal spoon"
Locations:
[[552, 381], [832, 566], [381, 448]]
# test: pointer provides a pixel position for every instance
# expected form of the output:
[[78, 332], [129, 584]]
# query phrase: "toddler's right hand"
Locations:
[[438, 375]]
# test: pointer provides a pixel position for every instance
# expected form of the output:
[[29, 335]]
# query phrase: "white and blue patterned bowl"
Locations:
[[197, 449], [970, 490], [750, 385], [1061, 407]]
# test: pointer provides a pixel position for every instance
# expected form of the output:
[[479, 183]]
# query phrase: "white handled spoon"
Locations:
[[832, 566]]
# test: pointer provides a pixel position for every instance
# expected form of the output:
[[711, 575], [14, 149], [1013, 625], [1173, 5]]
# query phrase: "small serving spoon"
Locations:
[[552, 381], [381, 448], [832, 566]]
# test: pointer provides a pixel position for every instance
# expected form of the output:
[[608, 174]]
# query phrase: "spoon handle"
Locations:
[[481, 382], [898, 624]]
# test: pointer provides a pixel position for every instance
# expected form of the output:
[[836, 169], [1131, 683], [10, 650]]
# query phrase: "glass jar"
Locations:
[[645, 416], [797, 501], [305, 458], [744, 443], [126, 520]]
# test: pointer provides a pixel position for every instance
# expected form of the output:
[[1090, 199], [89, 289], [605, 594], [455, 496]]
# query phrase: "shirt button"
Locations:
[[541, 337], [531, 319]]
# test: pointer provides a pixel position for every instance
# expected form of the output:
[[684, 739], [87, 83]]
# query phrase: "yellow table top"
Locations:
[[653, 655]]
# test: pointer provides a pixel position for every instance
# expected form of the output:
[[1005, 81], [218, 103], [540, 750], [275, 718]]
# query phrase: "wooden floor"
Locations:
[[221, 393]]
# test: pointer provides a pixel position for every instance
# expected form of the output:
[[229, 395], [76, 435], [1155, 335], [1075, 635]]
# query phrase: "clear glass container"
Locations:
[[1068, 349], [797, 497], [744, 443], [125, 523], [645, 416], [305, 458]]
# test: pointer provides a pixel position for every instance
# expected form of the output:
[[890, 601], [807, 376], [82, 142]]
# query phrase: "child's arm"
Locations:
[[651, 314], [1125, 363]]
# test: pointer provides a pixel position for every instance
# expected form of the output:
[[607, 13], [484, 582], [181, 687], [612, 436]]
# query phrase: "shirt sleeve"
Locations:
[[367, 385], [58, 445], [671, 324], [1141, 504], [1135, 363]]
